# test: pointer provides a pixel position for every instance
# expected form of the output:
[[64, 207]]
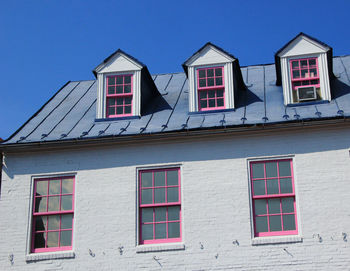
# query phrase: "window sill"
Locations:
[[308, 103], [207, 112], [118, 118], [276, 240], [160, 247], [49, 256]]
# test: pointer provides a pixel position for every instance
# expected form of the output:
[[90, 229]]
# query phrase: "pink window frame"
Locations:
[[120, 95], [294, 80], [215, 87], [271, 196], [154, 205], [49, 213]]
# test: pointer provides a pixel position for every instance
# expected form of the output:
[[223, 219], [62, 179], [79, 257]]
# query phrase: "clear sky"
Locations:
[[45, 43]]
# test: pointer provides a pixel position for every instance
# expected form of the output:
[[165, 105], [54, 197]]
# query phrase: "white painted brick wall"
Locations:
[[216, 208]]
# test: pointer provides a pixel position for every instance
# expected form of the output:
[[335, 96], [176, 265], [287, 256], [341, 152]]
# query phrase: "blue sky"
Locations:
[[44, 44]]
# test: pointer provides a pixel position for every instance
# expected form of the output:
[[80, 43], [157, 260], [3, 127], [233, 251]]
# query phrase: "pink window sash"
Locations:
[[271, 196], [294, 80], [155, 205], [50, 213], [120, 95]]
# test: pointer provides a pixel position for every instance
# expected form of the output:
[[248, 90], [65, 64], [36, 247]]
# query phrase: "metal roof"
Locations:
[[70, 113]]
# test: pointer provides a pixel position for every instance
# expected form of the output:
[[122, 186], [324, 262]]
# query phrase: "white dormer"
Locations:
[[212, 75], [122, 82], [304, 69]]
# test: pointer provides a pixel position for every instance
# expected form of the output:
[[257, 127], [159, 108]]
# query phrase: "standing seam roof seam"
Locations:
[[53, 110], [346, 72], [265, 116], [244, 118], [71, 108]]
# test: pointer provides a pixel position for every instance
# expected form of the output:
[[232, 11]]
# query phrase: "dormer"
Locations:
[[214, 77], [124, 87], [304, 69]]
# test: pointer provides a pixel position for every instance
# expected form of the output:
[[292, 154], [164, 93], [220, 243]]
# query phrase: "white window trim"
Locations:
[[282, 238]]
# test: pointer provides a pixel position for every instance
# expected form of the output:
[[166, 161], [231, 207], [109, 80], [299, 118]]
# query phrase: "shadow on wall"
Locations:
[[339, 89], [246, 97]]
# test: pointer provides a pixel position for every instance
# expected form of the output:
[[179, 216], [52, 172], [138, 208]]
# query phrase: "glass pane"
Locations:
[[127, 100], [127, 109], [66, 221], [41, 188], [261, 224], [111, 101], [66, 238], [312, 62], [313, 72], [260, 207], [218, 81], [288, 205], [259, 187], [173, 194], [160, 231], [53, 222], [66, 202], [303, 63], [203, 94], [210, 72], [159, 178], [67, 186], [54, 187], [201, 73], [54, 204], [172, 177], [119, 89], [304, 74], [271, 169], [202, 83], [119, 110], [314, 82], [220, 102], [159, 195], [295, 64], [288, 222], [146, 179], [220, 93], [40, 240], [160, 214], [211, 93], [258, 170], [274, 206], [296, 74], [272, 186], [111, 111], [146, 196], [111, 90], [286, 185], [120, 80], [275, 223], [127, 79], [218, 72], [40, 204], [204, 104], [210, 82], [41, 223], [111, 80], [147, 215], [147, 232], [127, 89], [120, 101], [173, 230], [173, 213], [212, 103], [52, 239]]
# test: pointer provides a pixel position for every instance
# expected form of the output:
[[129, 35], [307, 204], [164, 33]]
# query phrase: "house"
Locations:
[[220, 167]]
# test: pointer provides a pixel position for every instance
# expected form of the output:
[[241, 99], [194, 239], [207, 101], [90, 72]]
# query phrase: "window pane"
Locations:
[[40, 240], [127, 79], [52, 239], [172, 177], [173, 194], [274, 206], [111, 80], [210, 72], [202, 83], [147, 232], [146, 196], [210, 82], [146, 179], [261, 224], [260, 207], [296, 74], [127, 109], [67, 186], [111, 111], [220, 93], [160, 231], [127, 89], [295, 64], [160, 214], [201, 73], [120, 80], [259, 187], [272, 186], [173, 230], [66, 203], [218, 72], [288, 205], [41, 188], [40, 204], [313, 72], [204, 104], [111, 101], [66, 221], [286, 185], [271, 169], [218, 81], [275, 223], [66, 238], [119, 110], [120, 101], [304, 73], [173, 213], [127, 100], [303, 63], [211, 93], [54, 204], [288, 222], [312, 62], [203, 94], [159, 178], [147, 215], [119, 89], [258, 170], [111, 90], [41, 223], [159, 195], [53, 222], [220, 102], [54, 187], [212, 103]]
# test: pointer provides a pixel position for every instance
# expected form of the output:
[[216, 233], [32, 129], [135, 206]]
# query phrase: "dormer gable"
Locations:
[[124, 87], [304, 69], [214, 78]]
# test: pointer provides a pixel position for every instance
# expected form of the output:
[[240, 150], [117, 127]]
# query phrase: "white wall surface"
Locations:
[[215, 203]]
